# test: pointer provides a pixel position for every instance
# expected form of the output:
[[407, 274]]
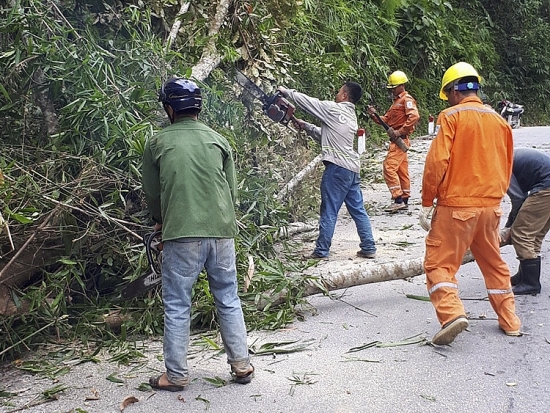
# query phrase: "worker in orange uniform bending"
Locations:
[[401, 117], [467, 170]]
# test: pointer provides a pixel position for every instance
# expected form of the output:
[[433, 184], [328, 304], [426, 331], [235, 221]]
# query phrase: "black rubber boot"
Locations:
[[530, 277], [516, 279]]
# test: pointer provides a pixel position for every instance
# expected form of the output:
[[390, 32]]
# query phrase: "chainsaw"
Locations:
[[153, 249], [275, 107]]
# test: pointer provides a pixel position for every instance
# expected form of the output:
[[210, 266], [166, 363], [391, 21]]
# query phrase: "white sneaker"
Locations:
[[449, 332]]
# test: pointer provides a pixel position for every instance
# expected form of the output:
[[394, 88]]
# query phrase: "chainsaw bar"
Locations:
[[141, 285], [250, 86], [153, 249]]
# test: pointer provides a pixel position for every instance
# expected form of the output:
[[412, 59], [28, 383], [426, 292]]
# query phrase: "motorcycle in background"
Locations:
[[511, 112]]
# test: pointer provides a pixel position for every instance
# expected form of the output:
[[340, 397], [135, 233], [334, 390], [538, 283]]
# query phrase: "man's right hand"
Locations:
[[299, 123], [425, 218], [371, 110]]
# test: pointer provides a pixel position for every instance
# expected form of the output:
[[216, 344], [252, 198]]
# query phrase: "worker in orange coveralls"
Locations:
[[467, 170], [401, 117]]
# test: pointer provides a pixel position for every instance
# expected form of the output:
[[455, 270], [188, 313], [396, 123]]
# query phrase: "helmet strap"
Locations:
[[170, 112]]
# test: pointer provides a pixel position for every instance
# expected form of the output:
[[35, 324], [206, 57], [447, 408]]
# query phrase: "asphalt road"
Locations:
[[354, 357]]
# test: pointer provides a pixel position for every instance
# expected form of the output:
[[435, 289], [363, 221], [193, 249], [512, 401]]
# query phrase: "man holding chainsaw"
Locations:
[[401, 117], [340, 181], [467, 170], [190, 186]]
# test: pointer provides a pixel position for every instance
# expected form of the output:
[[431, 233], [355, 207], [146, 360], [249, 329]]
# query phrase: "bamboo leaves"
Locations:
[[417, 339], [281, 347]]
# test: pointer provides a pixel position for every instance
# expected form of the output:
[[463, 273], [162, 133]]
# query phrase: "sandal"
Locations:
[[247, 378], [154, 382]]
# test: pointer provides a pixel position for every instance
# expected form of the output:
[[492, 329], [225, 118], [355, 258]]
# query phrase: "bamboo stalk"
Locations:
[[289, 187]]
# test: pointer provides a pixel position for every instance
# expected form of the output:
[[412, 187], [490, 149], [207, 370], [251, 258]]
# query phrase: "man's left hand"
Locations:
[[425, 218], [283, 90]]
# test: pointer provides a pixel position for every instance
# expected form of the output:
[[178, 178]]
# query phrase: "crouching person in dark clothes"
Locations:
[[529, 219]]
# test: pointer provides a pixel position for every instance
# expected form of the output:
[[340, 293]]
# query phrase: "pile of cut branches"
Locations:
[[77, 229]]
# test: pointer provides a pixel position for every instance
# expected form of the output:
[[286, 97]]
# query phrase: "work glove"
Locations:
[[505, 236], [425, 217]]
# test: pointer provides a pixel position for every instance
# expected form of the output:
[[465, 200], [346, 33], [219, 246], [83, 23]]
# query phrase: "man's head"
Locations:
[[396, 82], [460, 80], [180, 97], [349, 92]]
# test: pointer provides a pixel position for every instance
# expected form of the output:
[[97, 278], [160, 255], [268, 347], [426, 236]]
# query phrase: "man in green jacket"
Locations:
[[190, 186]]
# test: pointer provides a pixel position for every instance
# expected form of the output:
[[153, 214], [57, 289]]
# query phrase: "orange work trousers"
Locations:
[[453, 231], [396, 171]]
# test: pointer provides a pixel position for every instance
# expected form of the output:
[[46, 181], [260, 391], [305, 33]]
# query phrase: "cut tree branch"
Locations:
[[322, 280]]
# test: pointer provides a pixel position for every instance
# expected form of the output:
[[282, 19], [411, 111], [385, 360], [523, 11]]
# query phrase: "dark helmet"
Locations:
[[181, 94]]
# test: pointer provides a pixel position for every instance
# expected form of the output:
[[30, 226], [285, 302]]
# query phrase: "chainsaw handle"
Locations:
[[149, 248], [398, 140]]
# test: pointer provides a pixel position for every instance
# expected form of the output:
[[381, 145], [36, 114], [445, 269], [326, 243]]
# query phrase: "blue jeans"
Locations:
[[182, 261], [338, 186]]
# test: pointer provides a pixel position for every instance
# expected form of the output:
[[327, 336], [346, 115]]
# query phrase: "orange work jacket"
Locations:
[[469, 162], [402, 115]]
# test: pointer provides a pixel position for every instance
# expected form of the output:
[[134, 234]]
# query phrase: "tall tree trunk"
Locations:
[[211, 58]]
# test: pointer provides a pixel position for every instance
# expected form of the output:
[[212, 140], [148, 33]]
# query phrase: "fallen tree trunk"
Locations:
[[351, 275]]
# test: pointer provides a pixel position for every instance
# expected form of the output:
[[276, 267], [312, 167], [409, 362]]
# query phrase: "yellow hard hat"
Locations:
[[396, 78], [455, 72]]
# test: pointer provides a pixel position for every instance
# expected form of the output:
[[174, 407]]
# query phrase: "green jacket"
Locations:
[[189, 181]]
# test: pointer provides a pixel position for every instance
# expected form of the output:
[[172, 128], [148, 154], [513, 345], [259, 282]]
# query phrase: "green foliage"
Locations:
[[522, 38], [98, 86], [99, 69], [333, 41]]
